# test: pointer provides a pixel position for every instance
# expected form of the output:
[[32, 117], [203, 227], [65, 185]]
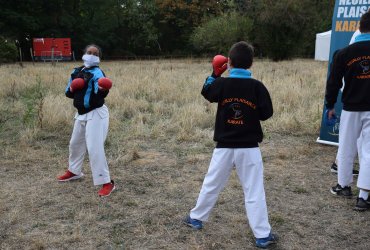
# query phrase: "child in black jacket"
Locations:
[[352, 64], [242, 103], [91, 122]]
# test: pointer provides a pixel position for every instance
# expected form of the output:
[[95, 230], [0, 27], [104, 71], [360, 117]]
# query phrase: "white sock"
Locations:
[[363, 194]]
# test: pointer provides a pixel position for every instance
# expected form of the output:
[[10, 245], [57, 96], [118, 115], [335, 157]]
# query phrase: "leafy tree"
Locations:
[[280, 29], [18, 20], [8, 50], [283, 27], [217, 34], [120, 27], [137, 29], [321, 14], [177, 18]]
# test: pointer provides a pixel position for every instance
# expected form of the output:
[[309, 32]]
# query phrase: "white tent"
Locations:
[[322, 48]]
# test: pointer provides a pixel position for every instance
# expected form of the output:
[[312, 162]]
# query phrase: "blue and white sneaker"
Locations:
[[265, 242], [196, 224]]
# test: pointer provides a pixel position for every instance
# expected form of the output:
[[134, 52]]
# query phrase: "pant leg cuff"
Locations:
[[74, 171], [197, 218], [101, 181]]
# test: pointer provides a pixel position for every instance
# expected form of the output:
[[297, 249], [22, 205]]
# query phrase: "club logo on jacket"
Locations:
[[365, 65], [238, 113], [235, 115]]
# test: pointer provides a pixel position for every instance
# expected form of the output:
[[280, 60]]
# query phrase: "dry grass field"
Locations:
[[159, 146]]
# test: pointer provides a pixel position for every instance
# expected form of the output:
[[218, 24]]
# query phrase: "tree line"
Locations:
[[278, 29]]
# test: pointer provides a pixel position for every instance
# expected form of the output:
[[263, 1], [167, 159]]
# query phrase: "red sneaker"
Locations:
[[107, 189], [68, 176]]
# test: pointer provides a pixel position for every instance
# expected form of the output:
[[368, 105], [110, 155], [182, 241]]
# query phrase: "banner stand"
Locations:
[[327, 142]]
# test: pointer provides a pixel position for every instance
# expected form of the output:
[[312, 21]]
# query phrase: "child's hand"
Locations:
[[330, 117], [102, 89], [219, 65]]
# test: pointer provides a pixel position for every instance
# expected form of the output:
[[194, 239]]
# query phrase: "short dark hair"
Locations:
[[241, 55], [96, 46], [365, 23]]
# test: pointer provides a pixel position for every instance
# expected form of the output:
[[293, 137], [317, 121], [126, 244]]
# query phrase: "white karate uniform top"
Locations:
[[89, 133]]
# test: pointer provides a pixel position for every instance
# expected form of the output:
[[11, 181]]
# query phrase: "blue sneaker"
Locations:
[[265, 242], [196, 224]]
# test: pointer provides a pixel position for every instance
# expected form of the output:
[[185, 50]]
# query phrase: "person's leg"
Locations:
[[363, 181], [96, 133], [334, 165], [364, 194], [359, 145], [249, 166], [77, 147], [215, 180], [350, 128]]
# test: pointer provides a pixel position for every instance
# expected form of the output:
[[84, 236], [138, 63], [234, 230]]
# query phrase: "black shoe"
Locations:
[[355, 172], [341, 191], [334, 169], [361, 205]]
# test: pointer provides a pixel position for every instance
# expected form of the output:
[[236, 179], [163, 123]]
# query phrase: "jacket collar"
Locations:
[[240, 73], [362, 37]]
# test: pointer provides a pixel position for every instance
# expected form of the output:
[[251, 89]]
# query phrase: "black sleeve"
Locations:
[[334, 82], [69, 94], [212, 89], [264, 103], [103, 93]]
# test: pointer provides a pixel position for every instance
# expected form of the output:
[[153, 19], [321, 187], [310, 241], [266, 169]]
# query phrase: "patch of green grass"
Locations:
[[130, 204], [32, 97], [277, 219], [300, 190]]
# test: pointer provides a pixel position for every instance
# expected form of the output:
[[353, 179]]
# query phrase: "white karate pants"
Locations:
[[359, 143], [354, 133], [89, 133], [249, 167]]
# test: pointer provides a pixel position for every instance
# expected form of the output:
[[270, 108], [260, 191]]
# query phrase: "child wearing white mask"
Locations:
[[90, 60], [91, 122]]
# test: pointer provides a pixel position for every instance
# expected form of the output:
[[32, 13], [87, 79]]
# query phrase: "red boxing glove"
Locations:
[[105, 83], [219, 65], [77, 84]]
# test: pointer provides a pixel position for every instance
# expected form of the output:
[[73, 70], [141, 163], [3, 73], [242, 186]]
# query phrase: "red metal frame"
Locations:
[[52, 49]]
